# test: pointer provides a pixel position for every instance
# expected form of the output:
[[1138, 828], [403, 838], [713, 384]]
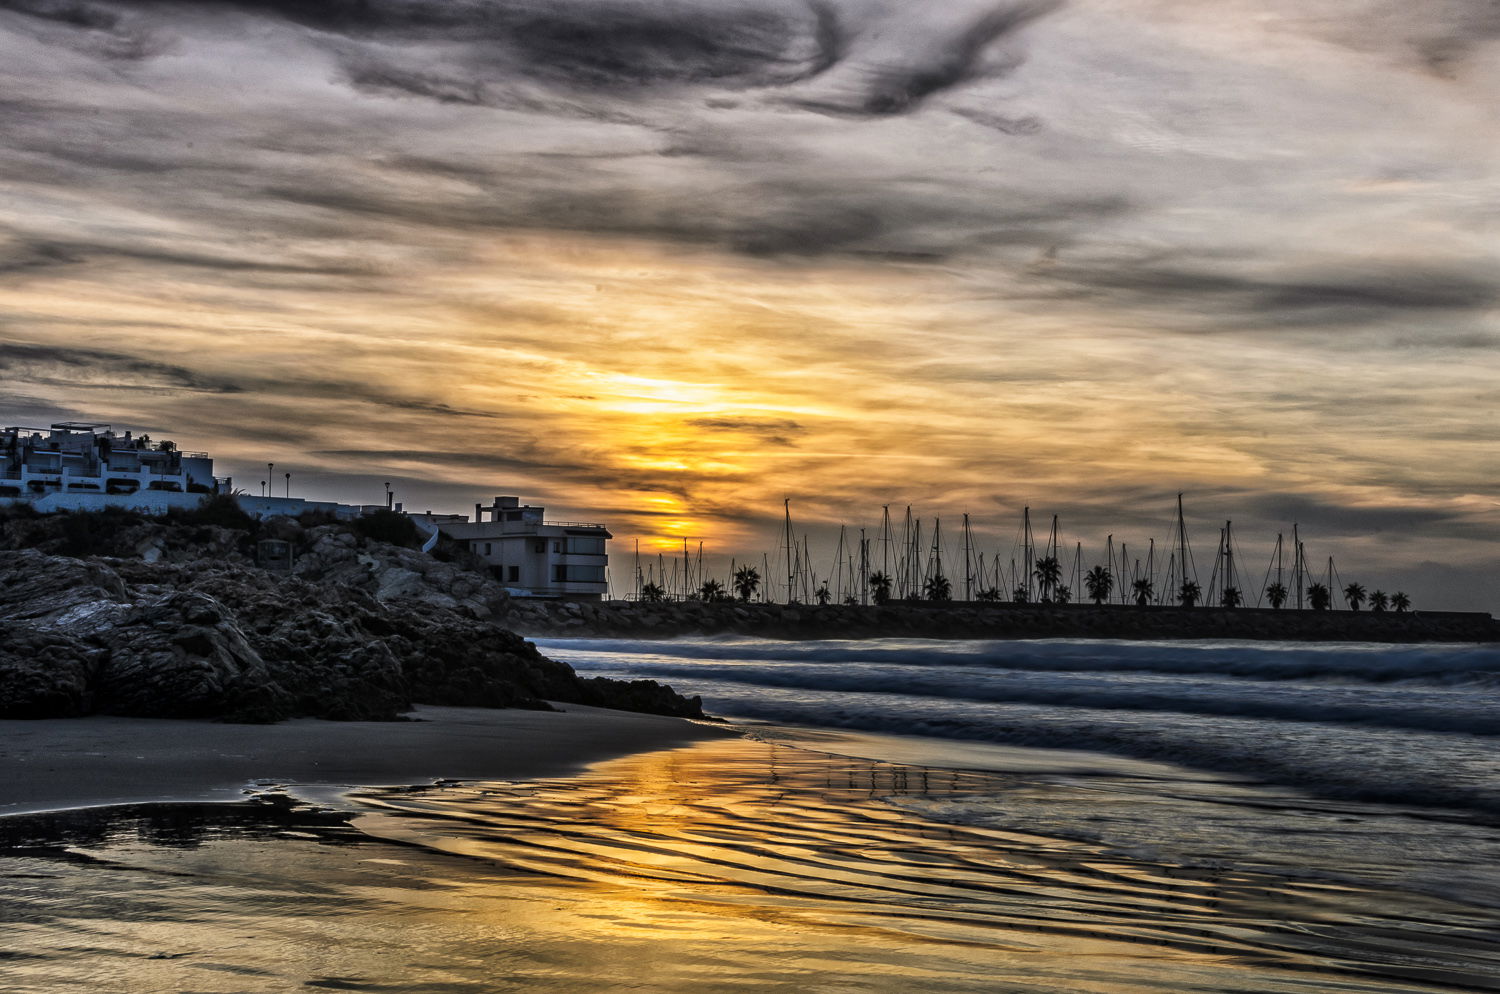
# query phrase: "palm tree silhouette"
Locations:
[[1099, 582], [746, 582], [880, 587], [1378, 601], [937, 588], [1318, 597], [1400, 602], [1354, 593], [1230, 597], [1048, 572], [712, 590], [1276, 594], [1062, 595], [653, 593], [1019, 595], [988, 595], [1142, 588], [1189, 594], [823, 594]]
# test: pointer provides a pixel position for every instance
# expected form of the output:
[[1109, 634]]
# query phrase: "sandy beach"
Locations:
[[1207, 819], [98, 760]]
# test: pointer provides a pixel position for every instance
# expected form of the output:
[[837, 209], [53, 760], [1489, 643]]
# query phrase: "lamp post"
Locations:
[[289, 486]]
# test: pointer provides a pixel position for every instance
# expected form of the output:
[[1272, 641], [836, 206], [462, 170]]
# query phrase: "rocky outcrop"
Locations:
[[206, 638], [45, 674]]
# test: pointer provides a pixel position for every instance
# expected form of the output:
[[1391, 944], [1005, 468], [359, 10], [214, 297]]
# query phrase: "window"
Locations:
[[577, 574], [541, 545], [514, 574], [512, 515], [486, 548], [557, 547], [585, 546]]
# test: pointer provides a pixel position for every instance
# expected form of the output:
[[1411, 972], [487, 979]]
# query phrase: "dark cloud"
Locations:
[[476, 51], [103, 30], [768, 431], [771, 218], [99, 369], [929, 62], [590, 44], [22, 256], [569, 467], [1321, 520], [61, 366], [1345, 296]]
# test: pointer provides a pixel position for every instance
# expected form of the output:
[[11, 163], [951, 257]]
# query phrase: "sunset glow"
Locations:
[[1253, 260]]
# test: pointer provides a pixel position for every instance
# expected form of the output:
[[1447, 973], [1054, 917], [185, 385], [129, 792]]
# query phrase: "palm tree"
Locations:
[[1190, 593], [1019, 595], [1354, 593], [937, 588], [1142, 588], [1062, 595], [1048, 572], [823, 594], [712, 590], [880, 587], [1318, 597], [1378, 601], [653, 593], [1230, 597], [1400, 602], [988, 595], [1099, 582], [1276, 594], [746, 582]]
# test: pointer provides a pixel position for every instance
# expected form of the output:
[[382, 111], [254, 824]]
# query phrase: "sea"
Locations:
[[898, 815]]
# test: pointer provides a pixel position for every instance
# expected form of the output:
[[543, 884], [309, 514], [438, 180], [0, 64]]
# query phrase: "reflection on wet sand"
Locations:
[[730, 865]]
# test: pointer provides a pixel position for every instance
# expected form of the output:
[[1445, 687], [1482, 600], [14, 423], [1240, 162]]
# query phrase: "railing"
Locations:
[[573, 524]]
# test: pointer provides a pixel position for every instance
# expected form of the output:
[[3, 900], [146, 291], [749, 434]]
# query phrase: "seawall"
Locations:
[[622, 619]]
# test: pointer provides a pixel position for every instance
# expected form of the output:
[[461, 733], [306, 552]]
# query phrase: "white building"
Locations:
[[75, 458], [529, 555], [73, 466]]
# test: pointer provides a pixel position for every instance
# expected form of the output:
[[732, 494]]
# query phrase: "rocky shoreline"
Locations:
[[115, 613], [175, 621], [618, 619]]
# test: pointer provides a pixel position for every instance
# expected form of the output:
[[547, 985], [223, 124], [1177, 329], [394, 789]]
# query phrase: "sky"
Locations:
[[665, 264]]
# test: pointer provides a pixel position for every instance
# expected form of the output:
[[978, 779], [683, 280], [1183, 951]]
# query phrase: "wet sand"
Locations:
[[81, 762], [727, 865]]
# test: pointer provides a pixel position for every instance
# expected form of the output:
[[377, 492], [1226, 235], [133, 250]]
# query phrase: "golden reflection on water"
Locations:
[[727, 866]]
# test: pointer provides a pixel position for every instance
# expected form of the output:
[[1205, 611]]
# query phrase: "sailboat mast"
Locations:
[[885, 540], [1297, 563], [968, 562], [864, 567], [1026, 549], [791, 569]]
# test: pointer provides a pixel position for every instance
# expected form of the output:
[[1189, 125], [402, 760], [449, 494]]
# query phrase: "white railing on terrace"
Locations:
[[573, 524]]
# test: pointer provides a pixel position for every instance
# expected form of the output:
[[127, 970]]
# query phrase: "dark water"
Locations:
[[1025, 817]]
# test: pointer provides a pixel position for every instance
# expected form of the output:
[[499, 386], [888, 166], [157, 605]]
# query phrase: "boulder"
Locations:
[[44, 674]]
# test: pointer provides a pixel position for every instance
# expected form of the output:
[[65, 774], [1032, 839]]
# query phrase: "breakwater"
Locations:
[[976, 620]]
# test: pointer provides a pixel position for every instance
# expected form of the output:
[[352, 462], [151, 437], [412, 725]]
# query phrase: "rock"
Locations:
[[207, 637], [44, 674], [184, 657], [71, 595]]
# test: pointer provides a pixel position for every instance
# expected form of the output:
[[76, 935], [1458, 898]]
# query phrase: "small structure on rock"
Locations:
[[529, 555]]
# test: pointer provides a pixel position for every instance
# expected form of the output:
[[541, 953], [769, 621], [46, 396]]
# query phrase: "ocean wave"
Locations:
[[1406, 707], [1443, 665], [1405, 768]]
